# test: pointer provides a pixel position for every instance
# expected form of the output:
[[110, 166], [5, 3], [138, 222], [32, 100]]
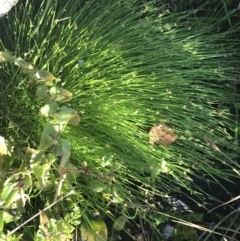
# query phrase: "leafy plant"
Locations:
[[35, 164]]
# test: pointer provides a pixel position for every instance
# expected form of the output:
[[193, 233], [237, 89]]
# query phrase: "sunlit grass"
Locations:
[[128, 67]]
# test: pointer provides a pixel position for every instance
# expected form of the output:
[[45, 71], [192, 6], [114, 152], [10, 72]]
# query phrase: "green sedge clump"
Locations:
[[128, 66]]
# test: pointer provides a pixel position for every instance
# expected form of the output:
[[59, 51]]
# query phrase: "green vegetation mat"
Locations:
[[130, 65]]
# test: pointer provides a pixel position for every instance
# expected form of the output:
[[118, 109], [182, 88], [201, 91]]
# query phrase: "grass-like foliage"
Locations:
[[129, 65]]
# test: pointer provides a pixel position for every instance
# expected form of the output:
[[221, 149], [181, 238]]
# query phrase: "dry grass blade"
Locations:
[[37, 214], [230, 201], [195, 226], [218, 224], [206, 230], [211, 144]]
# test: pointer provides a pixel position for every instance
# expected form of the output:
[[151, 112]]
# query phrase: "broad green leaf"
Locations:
[[5, 56], [7, 190], [23, 64], [3, 146], [20, 203], [95, 230], [1, 220], [42, 92], [67, 115], [34, 78], [8, 218], [51, 158], [41, 157], [44, 76], [48, 185], [28, 152], [40, 172], [86, 232], [64, 150], [72, 172], [120, 223], [15, 176], [37, 156], [53, 130], [60, 94], [75, 120], [49, 109], [11, 197], [46, 142], [100, 228], [27, 181], [3, 175]]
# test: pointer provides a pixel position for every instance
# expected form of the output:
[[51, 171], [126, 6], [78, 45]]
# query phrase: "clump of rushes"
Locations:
[[129, 66]]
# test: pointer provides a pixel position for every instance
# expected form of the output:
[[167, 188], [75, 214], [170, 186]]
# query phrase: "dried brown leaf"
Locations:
[[162, 134], [210, 143]]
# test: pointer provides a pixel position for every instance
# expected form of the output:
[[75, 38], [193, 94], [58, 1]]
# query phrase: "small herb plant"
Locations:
[[53, 152]]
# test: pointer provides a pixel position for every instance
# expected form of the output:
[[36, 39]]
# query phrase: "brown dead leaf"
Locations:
[[75, 120], [162, 134], [210, 143]]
